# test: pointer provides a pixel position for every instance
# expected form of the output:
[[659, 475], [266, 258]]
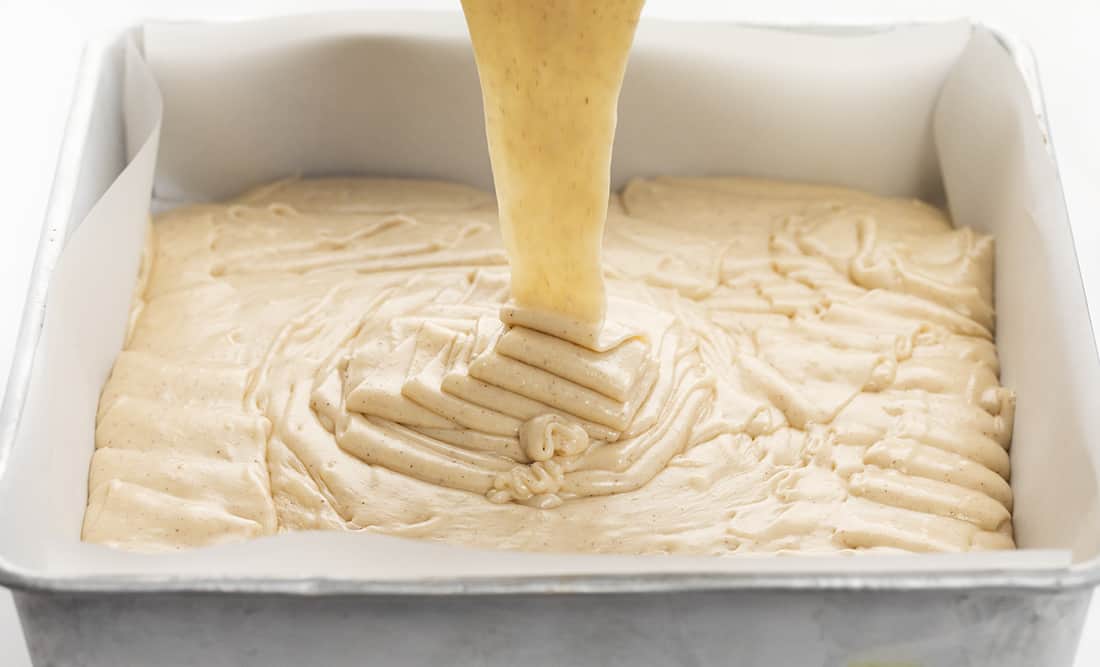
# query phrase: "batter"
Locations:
[[550, 78], [794, 368], [736, 365]]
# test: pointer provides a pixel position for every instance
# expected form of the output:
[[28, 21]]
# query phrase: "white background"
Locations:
[[41, 41]]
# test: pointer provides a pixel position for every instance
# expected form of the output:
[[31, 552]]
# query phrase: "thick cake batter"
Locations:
[[550, 77], [783, 367], [737, 365]]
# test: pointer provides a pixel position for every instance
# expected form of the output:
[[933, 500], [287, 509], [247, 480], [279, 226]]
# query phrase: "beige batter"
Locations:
[[550, 77], [784, 368], [741, 365]]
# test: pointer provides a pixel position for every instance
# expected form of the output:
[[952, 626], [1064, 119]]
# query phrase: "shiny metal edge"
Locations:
[[1004, 582], [1086, 572], [56, 230]]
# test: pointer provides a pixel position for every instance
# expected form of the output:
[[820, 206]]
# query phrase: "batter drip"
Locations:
[[550, 78]]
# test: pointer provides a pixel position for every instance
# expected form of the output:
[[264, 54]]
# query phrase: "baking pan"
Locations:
[[170, 113]]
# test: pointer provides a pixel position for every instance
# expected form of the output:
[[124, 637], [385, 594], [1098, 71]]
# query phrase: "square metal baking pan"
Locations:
[[82, 604]]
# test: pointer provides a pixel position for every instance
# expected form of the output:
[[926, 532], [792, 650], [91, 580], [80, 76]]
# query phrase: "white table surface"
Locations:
[[41, 40]]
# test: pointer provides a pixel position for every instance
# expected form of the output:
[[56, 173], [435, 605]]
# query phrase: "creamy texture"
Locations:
[[550, 77], [784, 368]]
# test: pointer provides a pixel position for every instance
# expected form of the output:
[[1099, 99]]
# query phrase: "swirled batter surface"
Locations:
[[783, 368]]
